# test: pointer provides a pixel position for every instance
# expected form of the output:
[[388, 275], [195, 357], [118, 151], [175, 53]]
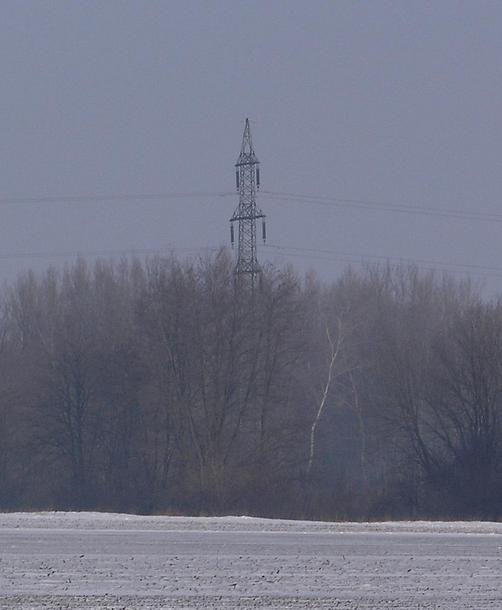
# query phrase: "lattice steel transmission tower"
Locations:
[[247, 178]]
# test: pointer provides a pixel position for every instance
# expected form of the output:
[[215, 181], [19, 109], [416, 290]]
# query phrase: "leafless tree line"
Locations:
[[166, 386]]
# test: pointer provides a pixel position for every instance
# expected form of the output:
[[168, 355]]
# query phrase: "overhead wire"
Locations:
[[358, 258], [288, 251], [380, 206], [95, 198], [287, 197], [105, 252]]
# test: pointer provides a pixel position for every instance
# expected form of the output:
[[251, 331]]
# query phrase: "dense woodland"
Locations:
[[163, 386]]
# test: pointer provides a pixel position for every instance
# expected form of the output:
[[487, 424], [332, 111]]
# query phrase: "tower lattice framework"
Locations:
[[247, 176]]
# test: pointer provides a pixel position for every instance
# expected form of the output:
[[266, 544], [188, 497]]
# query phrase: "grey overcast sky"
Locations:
[[391, 103]]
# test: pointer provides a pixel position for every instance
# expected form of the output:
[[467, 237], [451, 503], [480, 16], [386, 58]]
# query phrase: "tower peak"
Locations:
[[247, 155]]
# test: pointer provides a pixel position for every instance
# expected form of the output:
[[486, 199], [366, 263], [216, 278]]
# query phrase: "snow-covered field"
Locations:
[[92, 560]]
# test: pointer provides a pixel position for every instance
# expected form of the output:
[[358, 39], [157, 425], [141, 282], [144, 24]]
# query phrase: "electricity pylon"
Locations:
[[247, 179]]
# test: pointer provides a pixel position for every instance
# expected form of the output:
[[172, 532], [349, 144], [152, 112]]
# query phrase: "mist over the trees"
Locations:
[[165, 386]]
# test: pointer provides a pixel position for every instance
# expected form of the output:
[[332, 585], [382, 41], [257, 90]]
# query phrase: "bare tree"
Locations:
[[464, 452]]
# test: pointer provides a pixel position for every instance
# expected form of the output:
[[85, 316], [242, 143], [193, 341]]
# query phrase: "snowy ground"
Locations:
[[91, 560]]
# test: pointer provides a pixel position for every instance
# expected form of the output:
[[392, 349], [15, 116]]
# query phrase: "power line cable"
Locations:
[[105, 252], [357, 258], [287, 197], [290, 251], [319, 254], [110, 198], [381, 206]]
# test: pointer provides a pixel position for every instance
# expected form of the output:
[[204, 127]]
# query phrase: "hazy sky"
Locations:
[[396, 102]]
